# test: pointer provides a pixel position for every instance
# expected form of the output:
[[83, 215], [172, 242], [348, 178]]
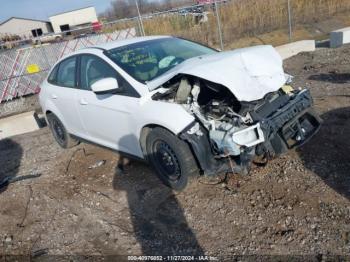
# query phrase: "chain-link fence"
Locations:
[[224, 24], [22, 69], [228, 24]]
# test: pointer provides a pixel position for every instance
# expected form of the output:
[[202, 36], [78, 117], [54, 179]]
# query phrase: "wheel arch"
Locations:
[[163, 118], [50, 108], [145, 130]]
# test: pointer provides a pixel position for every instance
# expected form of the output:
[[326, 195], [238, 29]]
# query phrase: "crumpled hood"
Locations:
[[250, 73]]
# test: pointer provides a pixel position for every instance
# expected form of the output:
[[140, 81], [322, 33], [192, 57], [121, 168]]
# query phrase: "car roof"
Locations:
[[128, 41], [112, 45]]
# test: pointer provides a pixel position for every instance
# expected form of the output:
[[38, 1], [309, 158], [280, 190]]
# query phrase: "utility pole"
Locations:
[[219, 25], [290, 20], [140, 18]]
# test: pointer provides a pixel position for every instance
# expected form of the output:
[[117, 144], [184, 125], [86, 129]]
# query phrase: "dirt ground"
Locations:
[[299, 204]]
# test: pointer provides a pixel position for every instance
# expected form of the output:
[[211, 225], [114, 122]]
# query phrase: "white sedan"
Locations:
[[186, 108]]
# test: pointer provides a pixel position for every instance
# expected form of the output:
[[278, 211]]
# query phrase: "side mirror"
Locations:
[[105, 85]]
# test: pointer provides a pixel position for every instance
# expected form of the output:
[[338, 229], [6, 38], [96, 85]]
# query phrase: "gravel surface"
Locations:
[[297, 205]]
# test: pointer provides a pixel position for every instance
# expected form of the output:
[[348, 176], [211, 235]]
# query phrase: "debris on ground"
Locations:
[[97, 164], [8, 180]]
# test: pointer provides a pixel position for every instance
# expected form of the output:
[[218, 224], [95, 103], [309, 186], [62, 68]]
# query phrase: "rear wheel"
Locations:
[[62, 137], [171, 157]]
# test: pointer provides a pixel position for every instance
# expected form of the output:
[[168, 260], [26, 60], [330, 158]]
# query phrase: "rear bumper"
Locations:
[[291, 126]]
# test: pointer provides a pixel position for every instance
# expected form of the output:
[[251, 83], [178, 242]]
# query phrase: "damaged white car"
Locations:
[[185, 108]]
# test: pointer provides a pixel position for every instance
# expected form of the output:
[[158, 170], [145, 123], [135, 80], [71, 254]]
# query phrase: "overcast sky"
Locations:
[[42, 9]]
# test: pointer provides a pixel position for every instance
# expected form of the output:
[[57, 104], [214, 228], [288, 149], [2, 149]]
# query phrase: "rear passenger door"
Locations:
[[62, 91]]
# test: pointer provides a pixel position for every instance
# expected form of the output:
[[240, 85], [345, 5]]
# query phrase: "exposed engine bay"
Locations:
[[238, 130]]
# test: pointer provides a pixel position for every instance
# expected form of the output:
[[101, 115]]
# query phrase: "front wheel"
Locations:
[[171, 157]]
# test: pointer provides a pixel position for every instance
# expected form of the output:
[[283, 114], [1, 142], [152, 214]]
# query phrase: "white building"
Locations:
[[24, 27], [73, 19]]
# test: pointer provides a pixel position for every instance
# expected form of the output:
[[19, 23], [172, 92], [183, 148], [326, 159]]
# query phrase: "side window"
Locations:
[[93, 69], [53, 76], [66, 73]]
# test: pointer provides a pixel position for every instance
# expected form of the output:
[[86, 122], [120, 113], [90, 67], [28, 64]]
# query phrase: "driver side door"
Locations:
[[108, 118]]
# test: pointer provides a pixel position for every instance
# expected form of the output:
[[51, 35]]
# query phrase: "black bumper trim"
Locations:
[[292, 125]]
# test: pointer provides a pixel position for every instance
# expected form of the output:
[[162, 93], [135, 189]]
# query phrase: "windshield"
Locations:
[[147, 60]]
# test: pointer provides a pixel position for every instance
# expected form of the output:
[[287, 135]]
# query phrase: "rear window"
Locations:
[[66, 73], [53, 75]]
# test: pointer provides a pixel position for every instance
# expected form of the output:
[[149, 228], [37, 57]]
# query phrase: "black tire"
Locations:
[[62, 137], [171, 158]]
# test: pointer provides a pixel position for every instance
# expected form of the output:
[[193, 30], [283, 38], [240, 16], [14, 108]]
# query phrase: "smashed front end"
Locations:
[[229, 133]]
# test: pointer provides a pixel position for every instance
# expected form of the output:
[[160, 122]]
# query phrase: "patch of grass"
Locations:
[[245, 19]]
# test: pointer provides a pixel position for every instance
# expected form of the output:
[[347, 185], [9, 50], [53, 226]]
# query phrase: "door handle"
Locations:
[[83, 102], [53, 96]]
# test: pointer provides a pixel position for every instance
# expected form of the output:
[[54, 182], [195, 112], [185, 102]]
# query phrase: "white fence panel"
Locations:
[[14, 79]]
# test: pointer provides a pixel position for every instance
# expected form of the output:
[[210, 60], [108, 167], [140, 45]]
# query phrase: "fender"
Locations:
[[49, 106], [172, 117], [168, 115]]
